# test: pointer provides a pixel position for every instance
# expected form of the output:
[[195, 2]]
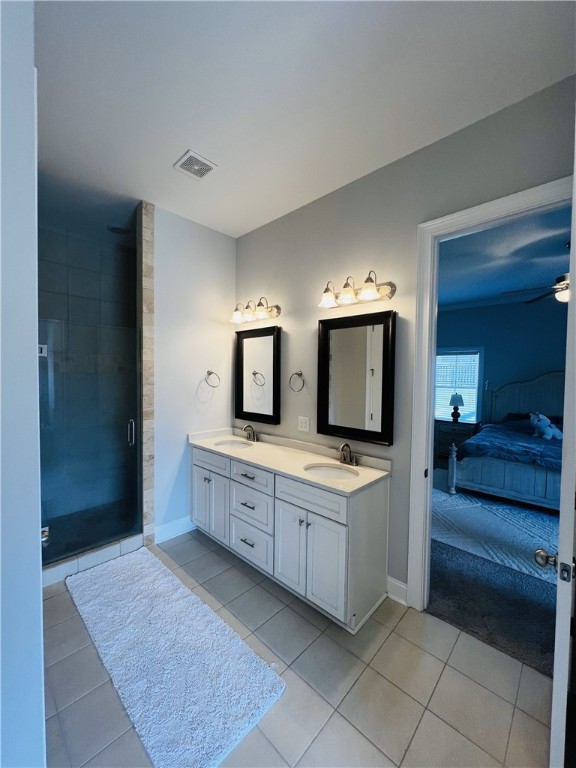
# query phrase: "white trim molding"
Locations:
[[175, 528], [429, 234], [397, 590]]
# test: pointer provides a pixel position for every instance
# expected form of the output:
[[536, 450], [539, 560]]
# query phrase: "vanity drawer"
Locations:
[[253, 506], [309, 497], [214, 461], [254, 477], [252, 544]]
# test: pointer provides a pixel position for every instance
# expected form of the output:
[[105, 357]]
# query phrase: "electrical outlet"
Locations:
[[303, 424]]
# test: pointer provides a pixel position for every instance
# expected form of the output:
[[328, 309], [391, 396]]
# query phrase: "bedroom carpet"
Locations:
[[190, 685], [504, 533], [508, 610]]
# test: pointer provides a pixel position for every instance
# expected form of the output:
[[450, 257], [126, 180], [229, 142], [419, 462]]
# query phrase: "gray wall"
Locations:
[[21, 667], [372, 224]]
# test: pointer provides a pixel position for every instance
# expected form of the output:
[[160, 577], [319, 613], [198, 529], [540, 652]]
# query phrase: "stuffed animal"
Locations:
[[543, 427]]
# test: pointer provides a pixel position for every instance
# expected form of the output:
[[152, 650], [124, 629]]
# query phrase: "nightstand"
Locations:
[[448, 432]]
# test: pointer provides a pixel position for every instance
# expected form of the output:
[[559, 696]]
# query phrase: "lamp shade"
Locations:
[[328, 300], [369, 290], [456, 399], [348, 293]]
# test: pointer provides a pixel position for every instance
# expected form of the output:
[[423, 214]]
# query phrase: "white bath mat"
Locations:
[[190, 685]]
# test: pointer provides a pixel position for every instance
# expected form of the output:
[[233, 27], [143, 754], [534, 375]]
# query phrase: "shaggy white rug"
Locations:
[[190, 685]]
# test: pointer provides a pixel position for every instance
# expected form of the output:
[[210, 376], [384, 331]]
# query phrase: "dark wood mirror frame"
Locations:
[[385, 435], [239, 412]]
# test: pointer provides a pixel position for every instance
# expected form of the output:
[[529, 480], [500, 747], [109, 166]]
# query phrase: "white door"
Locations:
[[429, 235], [290, 545], [200, 497], [326, 564], [219, 495]]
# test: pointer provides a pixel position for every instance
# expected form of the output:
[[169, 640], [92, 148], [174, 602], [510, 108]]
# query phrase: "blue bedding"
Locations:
[[513, 441]]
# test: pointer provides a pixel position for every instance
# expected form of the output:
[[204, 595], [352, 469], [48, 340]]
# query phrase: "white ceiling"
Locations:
[[291, 100]]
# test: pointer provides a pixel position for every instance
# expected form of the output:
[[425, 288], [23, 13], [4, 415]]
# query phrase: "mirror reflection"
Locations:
[[356, 377], [257, 375]]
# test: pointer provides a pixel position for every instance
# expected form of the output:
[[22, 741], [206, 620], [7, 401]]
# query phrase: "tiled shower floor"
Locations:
[[407, 690]]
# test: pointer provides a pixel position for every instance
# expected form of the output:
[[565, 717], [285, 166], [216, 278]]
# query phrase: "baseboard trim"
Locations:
[[397, 591], [175, 528]]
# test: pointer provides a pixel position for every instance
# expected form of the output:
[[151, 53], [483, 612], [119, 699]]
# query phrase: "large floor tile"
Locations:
[[93, 723], [411, 668], [535, 694], [126, 752], [383, 713], [185, 551], [311, 614], [389, 613], [76, 675], [49, 703], [295, 719], [340, 745], [228, 585], [529, 744], [427, 632], [207, 598], [254, 751], [53, 589], [58, 608], [255, 606], [278, 591], [164, 557], [329, 668], [474, 711], [487, 666], [241, 629], [175, 541], [365, 643], [56, 752], [288, 634], [206, 566], [437, 745], [265, 653], [185, 578], [64, 638]]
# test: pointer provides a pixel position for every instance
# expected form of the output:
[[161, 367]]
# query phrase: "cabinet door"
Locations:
[[326, 564], [219, 492], [290, 546], [200, 497]]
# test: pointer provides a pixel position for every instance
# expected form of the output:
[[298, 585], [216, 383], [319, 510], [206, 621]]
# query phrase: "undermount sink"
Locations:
[[234, 443], [334, 471]]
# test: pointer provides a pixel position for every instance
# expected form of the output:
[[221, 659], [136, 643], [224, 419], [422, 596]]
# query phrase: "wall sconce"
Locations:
[[252, 311], [456, 401], [371, 290]]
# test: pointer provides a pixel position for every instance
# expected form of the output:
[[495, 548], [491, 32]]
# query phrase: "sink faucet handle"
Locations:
[[250, 433], [345, 453]]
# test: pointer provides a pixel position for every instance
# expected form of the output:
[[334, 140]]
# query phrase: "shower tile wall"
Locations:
[[87, 312]]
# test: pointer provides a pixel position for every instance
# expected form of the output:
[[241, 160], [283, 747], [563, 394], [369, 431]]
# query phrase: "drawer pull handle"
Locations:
[[300, 521], [250, 506], [248, 543], [308, 525], [207, 479], [247, 476]]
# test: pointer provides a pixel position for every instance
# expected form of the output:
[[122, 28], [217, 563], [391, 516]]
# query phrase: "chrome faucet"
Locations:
[[250, 434], [346, 456]]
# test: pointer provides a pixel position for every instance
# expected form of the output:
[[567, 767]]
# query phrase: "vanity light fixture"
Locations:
[[251, 311], [371, 290], [328, 300]]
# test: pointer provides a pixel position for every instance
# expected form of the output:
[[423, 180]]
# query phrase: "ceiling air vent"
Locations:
[[193, 164]]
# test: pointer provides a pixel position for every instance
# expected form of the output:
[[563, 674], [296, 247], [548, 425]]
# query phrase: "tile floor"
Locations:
[[407, 690]]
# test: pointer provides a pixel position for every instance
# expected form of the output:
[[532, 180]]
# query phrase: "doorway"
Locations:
[[429, 235]]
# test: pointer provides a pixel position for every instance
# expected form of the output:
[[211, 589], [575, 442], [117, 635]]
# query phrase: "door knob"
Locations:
[[543, 559]]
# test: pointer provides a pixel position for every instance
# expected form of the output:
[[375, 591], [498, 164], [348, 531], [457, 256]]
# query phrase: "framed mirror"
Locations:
[[356, 377], [257, 375]]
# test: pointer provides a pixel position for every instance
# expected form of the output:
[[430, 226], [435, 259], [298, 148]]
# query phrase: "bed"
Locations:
[[503, 458]]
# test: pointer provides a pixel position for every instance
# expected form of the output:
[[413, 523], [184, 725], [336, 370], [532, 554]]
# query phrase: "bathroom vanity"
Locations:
[[316, 526]]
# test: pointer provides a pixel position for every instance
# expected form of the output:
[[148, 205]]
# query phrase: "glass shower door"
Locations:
[[89, 394]]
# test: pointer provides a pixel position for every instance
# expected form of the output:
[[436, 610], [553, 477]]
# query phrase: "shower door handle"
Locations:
[[131, 433]]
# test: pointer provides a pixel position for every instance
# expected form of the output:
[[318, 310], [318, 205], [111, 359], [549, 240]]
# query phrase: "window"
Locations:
[[458, 370]]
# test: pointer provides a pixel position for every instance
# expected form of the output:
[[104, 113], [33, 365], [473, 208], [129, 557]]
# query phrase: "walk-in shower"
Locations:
[[89, 394]]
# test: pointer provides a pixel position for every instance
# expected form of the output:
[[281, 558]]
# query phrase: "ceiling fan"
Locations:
[[560, 290]]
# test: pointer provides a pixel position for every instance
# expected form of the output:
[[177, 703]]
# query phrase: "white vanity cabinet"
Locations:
[[310, 556], [325, 542], [211, 494]]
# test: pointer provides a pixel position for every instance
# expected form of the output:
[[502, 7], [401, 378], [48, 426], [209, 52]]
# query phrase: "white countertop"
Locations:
[[290, 462]]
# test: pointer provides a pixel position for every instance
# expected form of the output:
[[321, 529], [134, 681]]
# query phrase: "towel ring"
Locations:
[[259, 378], [207, 379], [296, 373]]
